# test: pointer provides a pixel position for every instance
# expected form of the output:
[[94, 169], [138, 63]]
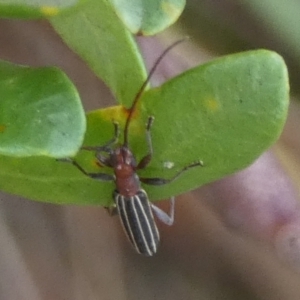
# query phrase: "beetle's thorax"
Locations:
[[127, 181]]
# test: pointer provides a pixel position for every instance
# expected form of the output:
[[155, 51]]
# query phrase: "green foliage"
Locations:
[[34, 8], [225, 113], [139, 16], [99, 37], [146, 17], [40, 112]]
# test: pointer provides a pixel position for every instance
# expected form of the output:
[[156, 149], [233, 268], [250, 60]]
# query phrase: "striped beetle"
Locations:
[[130, 200]]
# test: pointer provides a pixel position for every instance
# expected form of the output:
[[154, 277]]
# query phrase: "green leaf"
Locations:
[[33, 8], [146, 17], [225, 113], [99, 37], [40, 112]]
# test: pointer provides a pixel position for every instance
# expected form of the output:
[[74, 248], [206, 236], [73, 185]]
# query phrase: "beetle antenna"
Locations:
[[142, 89]]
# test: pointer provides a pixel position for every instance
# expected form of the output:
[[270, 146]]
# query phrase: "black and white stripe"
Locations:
[[137, 219]]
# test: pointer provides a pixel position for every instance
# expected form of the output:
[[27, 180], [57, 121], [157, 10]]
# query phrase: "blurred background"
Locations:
[[238, 238]]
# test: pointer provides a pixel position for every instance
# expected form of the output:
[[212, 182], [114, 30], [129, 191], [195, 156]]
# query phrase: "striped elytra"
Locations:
[[136, 216]]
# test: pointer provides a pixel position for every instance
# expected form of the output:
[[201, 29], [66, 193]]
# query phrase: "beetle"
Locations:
[[130, 200]]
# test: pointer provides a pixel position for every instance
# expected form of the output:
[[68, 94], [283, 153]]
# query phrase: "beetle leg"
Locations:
[[100, 176], [102, 160], [167, 219], [112, 210], [147, 158], [107, 146], [162, 181]]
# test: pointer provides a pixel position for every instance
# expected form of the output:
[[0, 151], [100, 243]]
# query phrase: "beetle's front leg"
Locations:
[[162, 181], [107, 146], [147, 158], [99, 176]]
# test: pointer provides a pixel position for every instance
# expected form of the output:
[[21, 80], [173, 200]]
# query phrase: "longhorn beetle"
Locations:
[[131, 201]]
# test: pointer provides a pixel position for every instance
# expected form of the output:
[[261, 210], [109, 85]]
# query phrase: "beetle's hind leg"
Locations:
[[167, 219]]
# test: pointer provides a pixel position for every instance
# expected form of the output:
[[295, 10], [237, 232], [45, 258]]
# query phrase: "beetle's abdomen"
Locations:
[[137, 219]]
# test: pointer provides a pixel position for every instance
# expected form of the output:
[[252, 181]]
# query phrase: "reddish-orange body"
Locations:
[[126, 179]]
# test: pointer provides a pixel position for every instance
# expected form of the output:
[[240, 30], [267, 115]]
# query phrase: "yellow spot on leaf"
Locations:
[[172, 11], [49, 11], [119, 114], [212, 104], [2, 128], [113, 113]]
